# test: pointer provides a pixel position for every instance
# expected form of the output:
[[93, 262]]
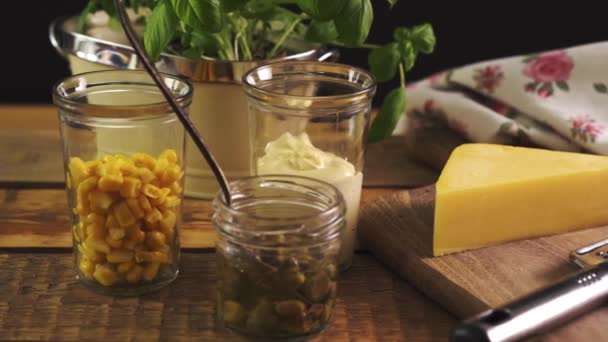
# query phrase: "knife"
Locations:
[[546, 308]]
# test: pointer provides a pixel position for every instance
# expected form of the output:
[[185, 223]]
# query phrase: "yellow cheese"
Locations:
[[490, 194]]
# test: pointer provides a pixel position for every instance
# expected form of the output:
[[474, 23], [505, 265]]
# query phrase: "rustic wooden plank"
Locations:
[[470, 282], [39, 218], [41, 300]]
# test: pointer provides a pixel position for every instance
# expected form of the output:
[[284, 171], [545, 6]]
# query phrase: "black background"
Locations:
[[467, 31]]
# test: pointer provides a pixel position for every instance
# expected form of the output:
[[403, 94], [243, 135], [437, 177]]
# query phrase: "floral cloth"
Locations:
[[556, 99]]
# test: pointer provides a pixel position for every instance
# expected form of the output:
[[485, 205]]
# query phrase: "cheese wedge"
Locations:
[[490, 194]]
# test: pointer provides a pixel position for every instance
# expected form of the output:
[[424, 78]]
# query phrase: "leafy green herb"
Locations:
[[263, 29], [159, 29], [390, 112], [354, 22]]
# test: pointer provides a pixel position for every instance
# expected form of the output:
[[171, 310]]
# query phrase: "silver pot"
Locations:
[[219, 106]]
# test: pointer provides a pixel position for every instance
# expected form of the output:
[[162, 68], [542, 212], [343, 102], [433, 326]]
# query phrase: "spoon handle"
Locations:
[[181, 114]]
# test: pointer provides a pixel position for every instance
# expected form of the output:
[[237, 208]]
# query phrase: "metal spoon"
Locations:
[[181, 115]]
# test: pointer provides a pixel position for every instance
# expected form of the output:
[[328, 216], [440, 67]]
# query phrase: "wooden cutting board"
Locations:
[[397, 229]]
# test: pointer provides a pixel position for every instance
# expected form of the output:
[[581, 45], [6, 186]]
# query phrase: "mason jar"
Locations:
[[124, 161], [277, 254], [311, 119]]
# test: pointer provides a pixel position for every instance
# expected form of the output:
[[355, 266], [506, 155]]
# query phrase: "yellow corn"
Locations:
[[123, 214], [130, 187], [87, 268], [144, 160], [111, 221], [91, 254], [119, 256], [151, 256], [129, 244], [136, 234], [153, 216], [113, 242], [105, 275], [77, 170], [110, 182], [172, 201], [161, 165], [124, 267], [135, 208], [145, 175], [170, 155], [134, 274], [150, 270], [176, 189], [116, 233], [95, 225], [100, 201], [151, 191], [80, 231], [168, 221], [172, 174], [155, 240], [97, 244], [162, 197], [144, 203]]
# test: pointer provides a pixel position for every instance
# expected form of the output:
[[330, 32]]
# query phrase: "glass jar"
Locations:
[[124, 160], [277, 252], [311, 119]]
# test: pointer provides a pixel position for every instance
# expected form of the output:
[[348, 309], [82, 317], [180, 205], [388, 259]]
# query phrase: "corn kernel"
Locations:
[[123, 214], [153, 216], [144, 203], [111, 221], [151, 226], [80, 231], [124, 267], [92, 166], [94, 224], [129, 244], [145, 175], [172, 174], [161, 165], [110, 182], [151, 191], [77, 170], [91, 254], [114, 243], [155, 240], [172, 201], [170, 155], [176, 189], [116, 233], [136, 234], [105, 275], [134, 274], [128, 168], [87, 268], [150, 270], [151, 256], [119, 256], [100, 201], [97, 244], [160, 200], [168, 221], [144, 160], [135, 208], [130, 187]]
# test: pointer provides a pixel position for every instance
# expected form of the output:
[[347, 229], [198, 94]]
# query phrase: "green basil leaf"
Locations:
[[160, 29], [321, 31], [392, 3], [82, 20], [232, 5], [259, 9], [205, 42], [402, 34], [408, 54], [354, 21], [423, 38], [322, 10], [384, 61], [392, 107], [203, 15]]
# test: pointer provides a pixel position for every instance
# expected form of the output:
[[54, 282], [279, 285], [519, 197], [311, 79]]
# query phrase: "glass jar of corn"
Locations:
[[124, 162]]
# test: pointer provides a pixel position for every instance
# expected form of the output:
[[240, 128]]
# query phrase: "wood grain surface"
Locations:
[[397, 228], [41, 300]]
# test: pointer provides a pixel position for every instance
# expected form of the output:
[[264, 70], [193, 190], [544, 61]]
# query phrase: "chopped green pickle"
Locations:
[[275, 297]]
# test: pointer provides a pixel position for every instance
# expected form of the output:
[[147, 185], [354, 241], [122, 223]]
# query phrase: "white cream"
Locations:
[[296, 155]]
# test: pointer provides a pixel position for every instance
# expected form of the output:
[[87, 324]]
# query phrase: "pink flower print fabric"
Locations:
[[554, 99]]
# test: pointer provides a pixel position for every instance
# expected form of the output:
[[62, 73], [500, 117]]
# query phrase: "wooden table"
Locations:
[[40, 299]]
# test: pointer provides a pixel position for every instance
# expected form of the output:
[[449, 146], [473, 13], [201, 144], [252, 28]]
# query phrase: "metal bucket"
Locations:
[[219, 106]]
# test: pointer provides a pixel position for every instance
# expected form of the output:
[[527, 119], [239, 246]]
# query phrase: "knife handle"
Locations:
[[539, 310]]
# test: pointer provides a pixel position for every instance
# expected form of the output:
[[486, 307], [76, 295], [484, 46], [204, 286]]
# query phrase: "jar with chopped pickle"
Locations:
[[124, 161], [277, 254]]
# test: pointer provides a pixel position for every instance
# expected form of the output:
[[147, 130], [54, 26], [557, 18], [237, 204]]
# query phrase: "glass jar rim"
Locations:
[[64, 93], [355, 75], [332, 215]]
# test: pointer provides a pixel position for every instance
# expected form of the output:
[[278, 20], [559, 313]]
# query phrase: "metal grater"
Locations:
[[591, 255], [546, 308]]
